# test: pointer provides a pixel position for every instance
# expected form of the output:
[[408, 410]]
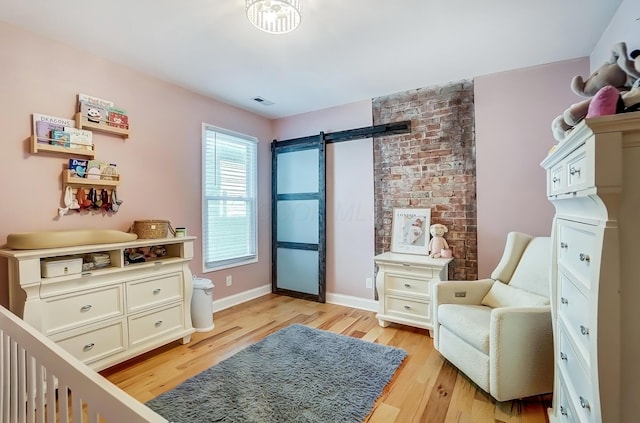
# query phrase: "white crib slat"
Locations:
[[15, 388], [63, 403], [3, 380], [51, 399]]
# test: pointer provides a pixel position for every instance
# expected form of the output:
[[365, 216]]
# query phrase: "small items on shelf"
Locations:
[[59, 135], [98, 260], [144, 254], [90, 185]]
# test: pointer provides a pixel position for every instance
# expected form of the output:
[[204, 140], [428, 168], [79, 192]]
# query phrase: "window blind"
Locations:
[[229, 195]]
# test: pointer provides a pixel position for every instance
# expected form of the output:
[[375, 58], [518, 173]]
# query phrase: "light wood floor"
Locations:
[[426, 388]]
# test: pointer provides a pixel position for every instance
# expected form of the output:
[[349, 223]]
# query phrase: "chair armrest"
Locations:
[[521, 352], [461, 292]]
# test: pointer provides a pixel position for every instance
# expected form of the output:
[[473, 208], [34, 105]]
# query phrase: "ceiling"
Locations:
[[343, 51]]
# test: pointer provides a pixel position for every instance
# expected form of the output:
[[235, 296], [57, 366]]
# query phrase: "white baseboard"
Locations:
[[226, 302], [354, 302], [338, 299]]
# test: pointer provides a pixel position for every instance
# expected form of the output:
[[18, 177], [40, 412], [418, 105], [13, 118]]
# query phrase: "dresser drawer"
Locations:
[[556, 181], [566, 412], [573, 309], [408, 309], [146, 293], [81, 308], [577, 380], [94, 343], [404, 285], [577, 250], [143, 328], [578, 170]]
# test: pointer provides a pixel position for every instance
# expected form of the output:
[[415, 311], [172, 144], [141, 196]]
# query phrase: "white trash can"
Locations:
[[202, 305]]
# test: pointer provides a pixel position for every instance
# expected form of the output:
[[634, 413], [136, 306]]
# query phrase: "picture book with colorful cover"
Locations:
[[95, 101], [80, 138], [118, 118], [44, 124], [78, 167], [94, 113], [60, 138]]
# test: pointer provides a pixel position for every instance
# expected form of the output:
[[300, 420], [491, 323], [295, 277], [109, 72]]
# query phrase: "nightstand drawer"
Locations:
[[146, 293], [408, 309], [147, 326], [573, 310], [82, 308], [577, 250], [403, 285], [95, 344], [578, 382]]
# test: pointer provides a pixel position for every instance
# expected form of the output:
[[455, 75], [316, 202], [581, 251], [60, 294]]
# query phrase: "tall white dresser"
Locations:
[[593, 181]]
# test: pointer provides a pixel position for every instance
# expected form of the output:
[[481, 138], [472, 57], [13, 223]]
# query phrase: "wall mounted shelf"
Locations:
[[84, 123], [37, 147], [69, 179]]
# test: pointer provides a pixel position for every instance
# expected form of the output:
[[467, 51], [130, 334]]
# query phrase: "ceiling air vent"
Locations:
[[262, 101]]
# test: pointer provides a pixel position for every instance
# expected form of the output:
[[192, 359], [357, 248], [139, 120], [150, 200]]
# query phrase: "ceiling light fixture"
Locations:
[[274, 16]]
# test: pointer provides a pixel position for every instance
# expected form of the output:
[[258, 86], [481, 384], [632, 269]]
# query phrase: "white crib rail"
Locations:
[[68, 391]]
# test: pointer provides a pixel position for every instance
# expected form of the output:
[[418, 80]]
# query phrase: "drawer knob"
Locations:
[[156, 291], [563, 356], [407, 285], [158, 323], [584, 403], [584, 330], [85, 308], [555, 179], [407, 307], [563, 300], [88, 347], [563, 410], [574, 170], [564, 245], [585, 257]]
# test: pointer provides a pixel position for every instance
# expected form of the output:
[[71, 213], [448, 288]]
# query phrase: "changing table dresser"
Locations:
[[404, 283], [593, 181], [107, 315]]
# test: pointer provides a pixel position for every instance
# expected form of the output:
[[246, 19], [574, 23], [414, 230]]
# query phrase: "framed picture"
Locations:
[[410, 231]]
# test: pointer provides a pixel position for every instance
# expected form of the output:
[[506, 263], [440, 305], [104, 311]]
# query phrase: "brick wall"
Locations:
[[432, 167]]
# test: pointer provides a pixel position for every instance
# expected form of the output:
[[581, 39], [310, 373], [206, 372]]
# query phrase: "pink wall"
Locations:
[[159, 164], [514, 111], [350, 235]]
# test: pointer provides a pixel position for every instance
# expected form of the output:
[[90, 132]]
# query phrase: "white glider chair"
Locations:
[[498, 331]]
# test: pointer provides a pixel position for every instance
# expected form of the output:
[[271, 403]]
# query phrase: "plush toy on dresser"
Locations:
[[602, 89], [438, 246]]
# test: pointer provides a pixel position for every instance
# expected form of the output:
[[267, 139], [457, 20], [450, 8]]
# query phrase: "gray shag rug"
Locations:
[[298, 374]]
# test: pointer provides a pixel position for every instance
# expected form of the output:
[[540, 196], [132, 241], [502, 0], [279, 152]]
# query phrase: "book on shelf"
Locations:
[[98, 169], [80, 138], [60, 138], [44, 124], [94, 113], [118, 118], [94, 101], [78, 167]]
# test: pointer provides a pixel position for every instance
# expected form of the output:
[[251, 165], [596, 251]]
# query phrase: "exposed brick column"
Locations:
[[432, 167]]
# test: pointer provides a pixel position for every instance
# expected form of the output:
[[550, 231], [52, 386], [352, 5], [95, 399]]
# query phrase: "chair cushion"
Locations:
[[534, 269], [503, 295], [469, 322]]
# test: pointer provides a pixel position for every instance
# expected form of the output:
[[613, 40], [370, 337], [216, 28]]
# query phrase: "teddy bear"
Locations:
[[437, 242], [619, 72]]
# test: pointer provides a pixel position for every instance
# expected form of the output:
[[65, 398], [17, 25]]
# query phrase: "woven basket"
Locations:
[[151, 228]]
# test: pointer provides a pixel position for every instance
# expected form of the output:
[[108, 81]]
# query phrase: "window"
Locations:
[[229, 198]]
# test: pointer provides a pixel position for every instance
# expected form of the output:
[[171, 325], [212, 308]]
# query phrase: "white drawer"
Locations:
[[152, 292], [576, 378], [573, 309], [579, 172], [414, 310], [556, 181], [410, 270], [566, 413], [404, 285], [147, 326], [84, 307], [577, 250], [95, 343]]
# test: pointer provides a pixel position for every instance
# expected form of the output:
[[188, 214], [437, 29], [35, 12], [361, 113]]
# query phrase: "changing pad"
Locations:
[[68, 238]]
